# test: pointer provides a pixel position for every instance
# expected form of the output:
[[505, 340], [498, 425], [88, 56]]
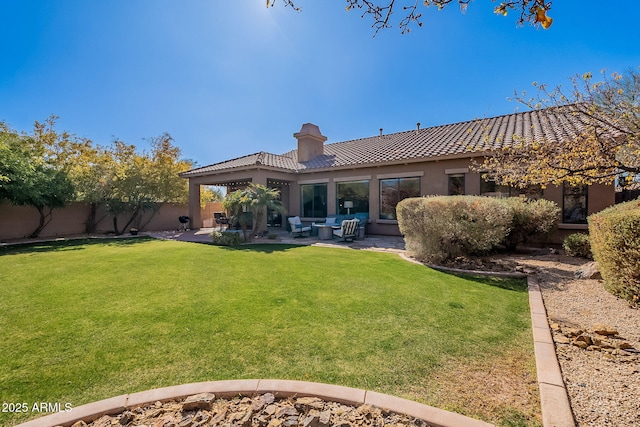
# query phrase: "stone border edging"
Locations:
[[280, 388], [554, 399], [462, 271]]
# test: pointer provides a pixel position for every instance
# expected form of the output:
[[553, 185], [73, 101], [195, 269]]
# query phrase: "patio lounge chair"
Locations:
[[348, 229], [297, 228]]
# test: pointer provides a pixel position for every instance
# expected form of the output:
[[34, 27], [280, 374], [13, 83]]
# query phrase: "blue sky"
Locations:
[[228, 78]]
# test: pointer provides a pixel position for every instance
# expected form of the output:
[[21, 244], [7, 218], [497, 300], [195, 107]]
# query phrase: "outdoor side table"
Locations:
[[325, 232]]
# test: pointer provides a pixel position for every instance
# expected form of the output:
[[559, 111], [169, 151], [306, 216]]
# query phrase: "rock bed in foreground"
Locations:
[[260, 411]]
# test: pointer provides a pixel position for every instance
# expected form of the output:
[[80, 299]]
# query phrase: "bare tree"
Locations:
[[533, 12]]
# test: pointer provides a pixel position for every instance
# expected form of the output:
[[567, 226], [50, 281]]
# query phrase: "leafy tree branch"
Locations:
[[604, 149]]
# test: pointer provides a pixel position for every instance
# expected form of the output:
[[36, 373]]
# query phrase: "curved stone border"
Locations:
[[462, 271], [280, 388]]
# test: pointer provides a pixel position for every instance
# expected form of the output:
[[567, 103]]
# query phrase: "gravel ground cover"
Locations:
[[597, 338]]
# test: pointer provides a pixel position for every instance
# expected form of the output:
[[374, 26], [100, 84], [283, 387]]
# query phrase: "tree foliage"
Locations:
[[49, 168], [28, 178], [210, 194], [141, 183], [532, 12], [606, 150]]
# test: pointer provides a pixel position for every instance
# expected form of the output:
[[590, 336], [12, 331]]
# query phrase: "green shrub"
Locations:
[[442, 228], [226, 238], [577, 245], [529, 218], [615, 243]]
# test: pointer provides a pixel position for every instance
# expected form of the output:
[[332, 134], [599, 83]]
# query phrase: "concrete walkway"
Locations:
[[371, 242]]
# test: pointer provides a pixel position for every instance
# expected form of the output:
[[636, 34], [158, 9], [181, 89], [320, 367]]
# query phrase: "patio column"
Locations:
[[194, 205]]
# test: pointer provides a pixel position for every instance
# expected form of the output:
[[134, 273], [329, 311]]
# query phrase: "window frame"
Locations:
[[381, 213], [533, 192], [315, 210], [358, 203], [582, 192], [449, 183]]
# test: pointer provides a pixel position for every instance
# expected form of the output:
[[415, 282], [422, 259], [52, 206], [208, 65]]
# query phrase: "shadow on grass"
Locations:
[[70, 244], [261, 247], [508, 283]]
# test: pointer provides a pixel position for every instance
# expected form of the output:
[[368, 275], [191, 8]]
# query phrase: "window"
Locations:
[[313, 200], [456, 184], [574, 204], [356, 192], [488, 187], [392, 191]]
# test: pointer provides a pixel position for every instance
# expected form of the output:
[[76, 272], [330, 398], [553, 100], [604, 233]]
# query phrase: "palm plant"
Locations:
[[237, 204], [256, 199], [260, 199]]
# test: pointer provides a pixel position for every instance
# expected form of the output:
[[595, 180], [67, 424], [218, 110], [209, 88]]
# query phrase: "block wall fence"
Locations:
[[18, 222]]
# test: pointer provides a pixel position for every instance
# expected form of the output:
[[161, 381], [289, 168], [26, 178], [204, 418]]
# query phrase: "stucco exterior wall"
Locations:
[[434, 180], [17, 222]]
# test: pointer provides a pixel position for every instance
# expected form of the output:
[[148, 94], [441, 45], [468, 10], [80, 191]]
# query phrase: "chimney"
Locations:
[[310, 142], [418, 130]]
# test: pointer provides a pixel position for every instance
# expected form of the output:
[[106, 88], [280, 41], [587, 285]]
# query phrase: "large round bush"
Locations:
[[441, 228], [615, 243]]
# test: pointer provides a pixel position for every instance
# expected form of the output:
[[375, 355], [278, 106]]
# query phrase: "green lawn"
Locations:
[[84, 321]]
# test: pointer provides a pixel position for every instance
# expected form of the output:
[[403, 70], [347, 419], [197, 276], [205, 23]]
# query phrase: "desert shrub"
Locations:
[[226, 238], [577, 245], [529, 218], [615, 243], [442, 228]]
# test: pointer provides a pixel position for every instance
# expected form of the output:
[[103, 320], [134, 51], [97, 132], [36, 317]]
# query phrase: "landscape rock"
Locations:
[[126, 418], [307, 403], [602, 329], [254, 411], [612, 346], [589, 270], [267, 398], [198, 401]]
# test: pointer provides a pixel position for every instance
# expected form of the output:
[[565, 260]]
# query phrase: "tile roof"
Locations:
[[475, 136]]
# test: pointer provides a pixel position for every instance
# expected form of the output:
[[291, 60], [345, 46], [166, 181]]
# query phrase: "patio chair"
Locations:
[[348, 230], [297, 228], [221, 218]]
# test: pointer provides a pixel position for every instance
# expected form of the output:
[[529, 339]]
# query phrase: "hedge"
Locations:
[[529, 218], [226, 238], [577, 245], [441, 228], [615, 243]]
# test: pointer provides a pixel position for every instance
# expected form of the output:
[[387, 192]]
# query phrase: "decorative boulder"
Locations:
[[589, 270]]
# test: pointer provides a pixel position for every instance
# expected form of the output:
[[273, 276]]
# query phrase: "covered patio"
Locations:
[[231, 184]]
